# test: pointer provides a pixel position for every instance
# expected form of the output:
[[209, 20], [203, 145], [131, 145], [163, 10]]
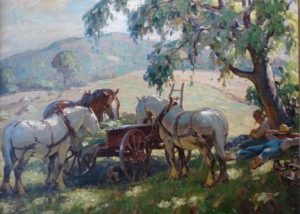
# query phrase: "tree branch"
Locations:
[[247, 13], [240, 73], [236, 71], [174, 50], [210, 7]]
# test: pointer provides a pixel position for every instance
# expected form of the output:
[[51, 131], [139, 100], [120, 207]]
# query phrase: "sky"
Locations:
[[35, 24]]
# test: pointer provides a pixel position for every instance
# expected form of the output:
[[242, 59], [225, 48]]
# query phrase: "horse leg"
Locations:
[[184, 169], [173, 174], [18, 172], [210, 162], [219, 142], [62, 154], [223, 176], [5, 187], [50, 169]]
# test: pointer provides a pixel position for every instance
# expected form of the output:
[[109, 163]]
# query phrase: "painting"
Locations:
[[149, 106]]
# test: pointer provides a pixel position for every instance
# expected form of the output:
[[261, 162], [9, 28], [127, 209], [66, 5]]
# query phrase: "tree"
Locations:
[[65, 62], [7, 81], [235, 31]]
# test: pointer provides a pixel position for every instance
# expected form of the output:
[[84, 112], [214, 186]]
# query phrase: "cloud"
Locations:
[[37, 5], [34, 24]]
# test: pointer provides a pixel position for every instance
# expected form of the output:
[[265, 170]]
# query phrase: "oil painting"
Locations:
[[149, 106]]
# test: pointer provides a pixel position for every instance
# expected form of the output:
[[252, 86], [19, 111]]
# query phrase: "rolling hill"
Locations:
[[115, 55]]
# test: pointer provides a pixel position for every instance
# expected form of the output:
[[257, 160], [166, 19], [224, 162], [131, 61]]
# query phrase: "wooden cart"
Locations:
[[131, 143]]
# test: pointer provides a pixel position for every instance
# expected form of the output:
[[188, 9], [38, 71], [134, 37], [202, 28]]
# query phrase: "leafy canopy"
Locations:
[[236, 31], [65, 62]]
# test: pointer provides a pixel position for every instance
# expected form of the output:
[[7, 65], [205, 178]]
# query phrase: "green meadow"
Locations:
[[246, 191]]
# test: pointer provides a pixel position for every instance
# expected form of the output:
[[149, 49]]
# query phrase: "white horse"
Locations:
[[201, 130], [45, 138]]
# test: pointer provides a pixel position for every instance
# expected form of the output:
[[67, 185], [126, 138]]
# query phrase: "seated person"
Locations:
[[282, 140], [256, 136]]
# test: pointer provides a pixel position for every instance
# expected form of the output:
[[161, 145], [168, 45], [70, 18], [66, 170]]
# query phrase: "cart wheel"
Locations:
[[80, 162], [135, 155]]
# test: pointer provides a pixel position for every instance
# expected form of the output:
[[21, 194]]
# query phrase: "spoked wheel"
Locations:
[[80, 162], [135, 154]]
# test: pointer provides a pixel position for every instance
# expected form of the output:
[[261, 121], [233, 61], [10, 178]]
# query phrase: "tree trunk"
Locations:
[[64, 79], [264, 82]]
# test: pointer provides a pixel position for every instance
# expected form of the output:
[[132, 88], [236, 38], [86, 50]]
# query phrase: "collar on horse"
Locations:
[[158, 124], [71, 131], [158, 121]]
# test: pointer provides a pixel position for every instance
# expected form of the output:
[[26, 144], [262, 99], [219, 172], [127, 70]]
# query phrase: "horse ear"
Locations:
[[171, 100], [58, 108], [89, 91], [117, 91], [138, 99]]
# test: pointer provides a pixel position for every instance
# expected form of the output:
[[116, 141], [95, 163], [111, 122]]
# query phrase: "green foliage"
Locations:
[[252, 97], [102, 10], [7, 81], [202, 24], [66, 63], [288, 93]]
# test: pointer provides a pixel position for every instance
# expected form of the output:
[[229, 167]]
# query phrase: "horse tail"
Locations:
[[220, 135], [7, 149]]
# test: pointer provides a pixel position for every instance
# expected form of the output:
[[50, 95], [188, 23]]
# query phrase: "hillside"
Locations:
[[116, 55]]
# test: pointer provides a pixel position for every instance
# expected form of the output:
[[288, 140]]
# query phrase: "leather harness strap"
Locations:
[[160, 117], [70, 132], [49, 126], [175, 127], [68, 125]]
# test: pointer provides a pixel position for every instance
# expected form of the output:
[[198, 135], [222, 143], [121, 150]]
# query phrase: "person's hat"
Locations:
[[257, 113], [284, 129]]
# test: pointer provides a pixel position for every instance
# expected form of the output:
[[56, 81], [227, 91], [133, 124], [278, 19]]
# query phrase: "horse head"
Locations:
[[142, 115], [90, 124], [148, 108], [102, 101], [111, 103]]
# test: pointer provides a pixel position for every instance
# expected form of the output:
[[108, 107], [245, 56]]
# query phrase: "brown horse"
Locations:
[[101, 101]]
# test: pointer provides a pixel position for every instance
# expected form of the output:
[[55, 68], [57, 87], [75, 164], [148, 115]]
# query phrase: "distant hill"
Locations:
[[115, 55]]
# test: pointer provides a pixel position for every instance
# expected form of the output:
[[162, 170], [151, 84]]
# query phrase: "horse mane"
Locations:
[[97, 92], [153, 98]]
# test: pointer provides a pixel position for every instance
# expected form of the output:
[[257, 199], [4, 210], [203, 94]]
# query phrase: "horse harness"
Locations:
[[70, 133], [158, 124]]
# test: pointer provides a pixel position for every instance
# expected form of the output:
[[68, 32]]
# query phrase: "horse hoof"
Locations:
[[173, 175], [60, 186], [184, 172], [223, 179], [22, 193], [48, 183], [208, 185], [173, 178], [6, 188]]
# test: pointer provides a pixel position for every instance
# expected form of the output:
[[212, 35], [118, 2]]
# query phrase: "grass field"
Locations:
[[92, 194]]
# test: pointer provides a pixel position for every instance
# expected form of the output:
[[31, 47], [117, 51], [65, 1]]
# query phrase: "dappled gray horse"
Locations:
[[26, 138], [201, 129]]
